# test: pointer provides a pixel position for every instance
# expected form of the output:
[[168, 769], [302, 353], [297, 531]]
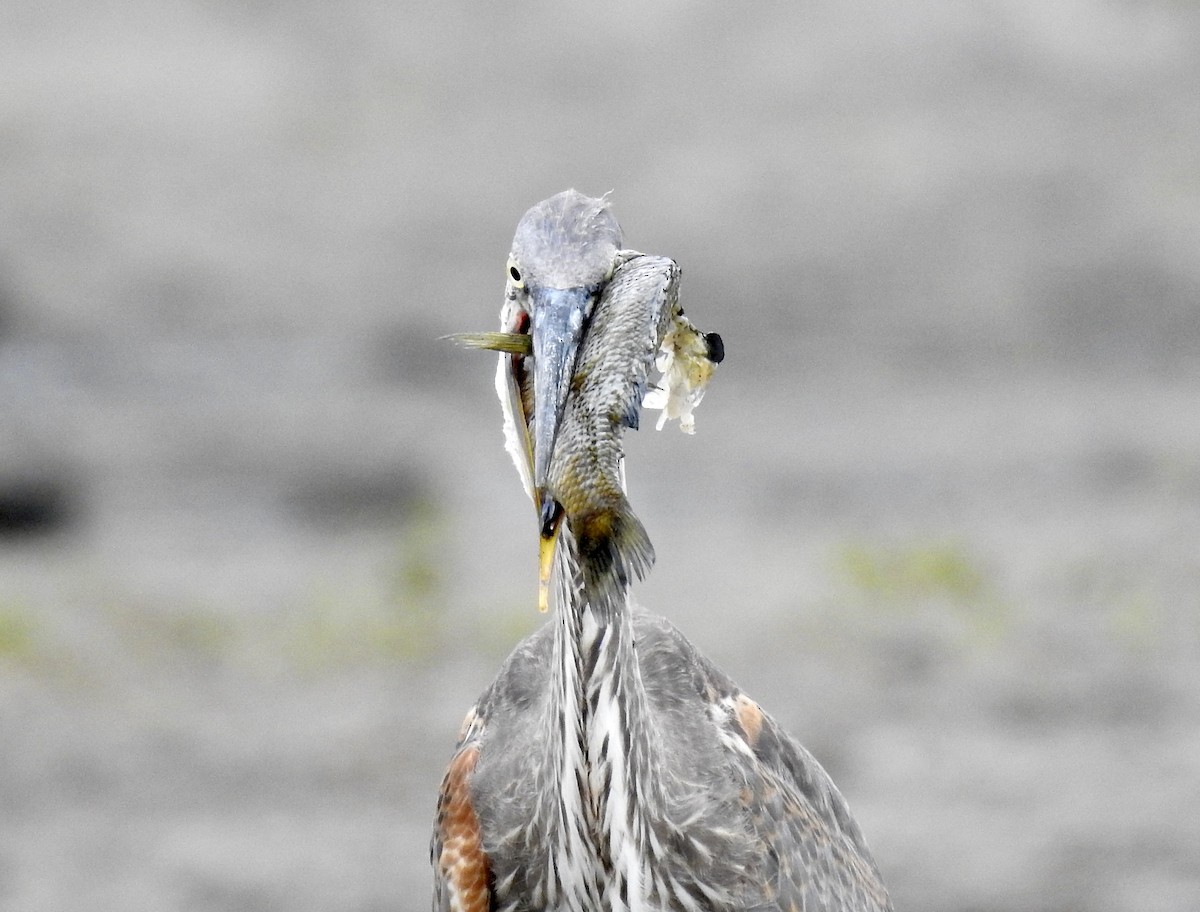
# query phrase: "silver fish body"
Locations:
[[610, 380]]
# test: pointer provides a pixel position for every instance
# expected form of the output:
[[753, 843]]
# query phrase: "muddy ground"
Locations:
[[260, 546]]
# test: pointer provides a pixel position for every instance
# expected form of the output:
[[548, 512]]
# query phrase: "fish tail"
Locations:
[[614, 549], [509, 343]]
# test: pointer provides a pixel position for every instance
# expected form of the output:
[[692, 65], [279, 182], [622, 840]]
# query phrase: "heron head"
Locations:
[[563, 254]]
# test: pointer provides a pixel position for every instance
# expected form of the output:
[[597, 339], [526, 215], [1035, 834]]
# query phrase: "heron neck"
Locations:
[[600, 724]]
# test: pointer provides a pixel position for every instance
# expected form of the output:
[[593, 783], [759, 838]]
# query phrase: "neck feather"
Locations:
[[601, 736]]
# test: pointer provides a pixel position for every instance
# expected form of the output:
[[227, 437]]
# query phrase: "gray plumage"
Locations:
[[609, 766]]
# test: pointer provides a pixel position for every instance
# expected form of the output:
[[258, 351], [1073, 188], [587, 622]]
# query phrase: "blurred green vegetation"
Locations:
[[920, 577], [17, 632], [195, 631], [1120, 600], [396, 614], [402, 618], [1135, 622], [905, 572]]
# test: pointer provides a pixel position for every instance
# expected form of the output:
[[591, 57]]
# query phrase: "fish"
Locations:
[[636, 325], [637, 314]]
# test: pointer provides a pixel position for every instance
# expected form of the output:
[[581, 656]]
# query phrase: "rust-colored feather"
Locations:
[[461, 860], [749, 718]]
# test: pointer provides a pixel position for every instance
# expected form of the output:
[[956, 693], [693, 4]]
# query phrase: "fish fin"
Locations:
[[614, 548], [509, 343], [631, 417]]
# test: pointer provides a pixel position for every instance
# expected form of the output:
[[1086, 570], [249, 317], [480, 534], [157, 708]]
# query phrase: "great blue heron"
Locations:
[[610, 766]]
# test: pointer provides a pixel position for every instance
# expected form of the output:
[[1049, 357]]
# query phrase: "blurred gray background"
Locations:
[[260, 546]]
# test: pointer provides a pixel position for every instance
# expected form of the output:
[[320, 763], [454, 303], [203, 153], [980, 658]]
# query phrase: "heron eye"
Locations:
[[514, 274]]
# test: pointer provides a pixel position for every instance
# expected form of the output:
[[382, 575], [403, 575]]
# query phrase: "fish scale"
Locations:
[[608, 385]]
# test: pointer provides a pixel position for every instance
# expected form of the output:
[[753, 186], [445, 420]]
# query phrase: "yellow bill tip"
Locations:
[[547, 544], [546, 549]]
